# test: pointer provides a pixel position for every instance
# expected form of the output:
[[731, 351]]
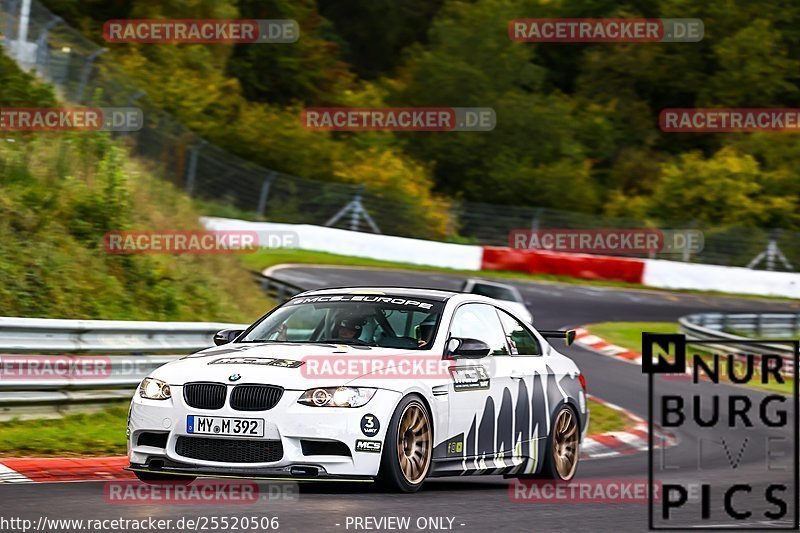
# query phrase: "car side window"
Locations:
[[479, 321], [521, 340]]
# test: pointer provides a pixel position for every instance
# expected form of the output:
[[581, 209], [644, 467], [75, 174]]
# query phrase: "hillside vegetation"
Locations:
[[60, 193], [577, 124]]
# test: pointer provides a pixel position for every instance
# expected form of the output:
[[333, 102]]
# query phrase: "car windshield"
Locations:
[[494, 291], [367, 320]]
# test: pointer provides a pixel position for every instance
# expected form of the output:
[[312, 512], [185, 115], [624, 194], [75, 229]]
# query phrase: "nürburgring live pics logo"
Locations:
[[738, 463]]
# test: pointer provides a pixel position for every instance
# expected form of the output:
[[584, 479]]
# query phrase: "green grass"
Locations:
[[603, 419], [262, 259], [87, 434], [629, 335], [102, 433]]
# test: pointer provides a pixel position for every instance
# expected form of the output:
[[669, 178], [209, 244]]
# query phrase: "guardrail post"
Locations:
[[264, 196], [135, 96], [9, 32], [87, 70], [191, 171], [41, 45]]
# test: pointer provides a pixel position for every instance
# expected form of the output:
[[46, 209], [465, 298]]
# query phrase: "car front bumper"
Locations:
[[289, 423]]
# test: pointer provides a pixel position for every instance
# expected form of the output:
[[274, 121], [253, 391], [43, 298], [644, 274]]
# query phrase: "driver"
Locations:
[[349, 327], [426, 330]]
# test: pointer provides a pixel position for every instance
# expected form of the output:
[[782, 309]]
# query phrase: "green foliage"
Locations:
[[60, 194], [574, 121], [54, 215]]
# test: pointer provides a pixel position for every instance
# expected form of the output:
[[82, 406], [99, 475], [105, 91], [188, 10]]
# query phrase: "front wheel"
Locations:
[[407, 452]]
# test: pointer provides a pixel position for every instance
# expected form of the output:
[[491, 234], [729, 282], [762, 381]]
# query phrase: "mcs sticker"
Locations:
[[372, 446]]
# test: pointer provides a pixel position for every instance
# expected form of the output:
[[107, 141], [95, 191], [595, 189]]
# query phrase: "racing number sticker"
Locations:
[[370, 425]]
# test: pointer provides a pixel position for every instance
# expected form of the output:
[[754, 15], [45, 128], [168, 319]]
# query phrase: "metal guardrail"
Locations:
[[44, 335], [718, 326], [129, 350], [122, 352], [278, 289]]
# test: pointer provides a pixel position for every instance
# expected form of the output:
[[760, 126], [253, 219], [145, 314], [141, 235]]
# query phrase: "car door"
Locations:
[[527, 366], [480, 401]]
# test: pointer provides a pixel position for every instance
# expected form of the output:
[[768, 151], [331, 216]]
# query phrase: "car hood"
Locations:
[[287, 365]]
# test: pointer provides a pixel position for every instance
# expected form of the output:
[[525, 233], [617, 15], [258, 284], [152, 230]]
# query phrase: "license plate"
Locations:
[[214, 425]]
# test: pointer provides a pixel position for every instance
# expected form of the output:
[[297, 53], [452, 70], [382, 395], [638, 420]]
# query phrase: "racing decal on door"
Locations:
[[513, 439], [468, 378]]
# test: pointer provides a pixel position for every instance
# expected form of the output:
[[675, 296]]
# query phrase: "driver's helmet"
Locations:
[[352, 321], [427, 328]]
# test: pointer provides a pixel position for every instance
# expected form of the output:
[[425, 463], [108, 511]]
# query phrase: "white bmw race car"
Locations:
[[394, 385]]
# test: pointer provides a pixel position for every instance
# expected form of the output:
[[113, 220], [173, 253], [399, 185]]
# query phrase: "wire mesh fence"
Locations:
[[81, 73]]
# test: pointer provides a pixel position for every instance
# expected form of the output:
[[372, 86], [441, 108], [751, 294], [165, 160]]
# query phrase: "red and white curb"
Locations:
[[632, 440], [602, 346], [55, 469]]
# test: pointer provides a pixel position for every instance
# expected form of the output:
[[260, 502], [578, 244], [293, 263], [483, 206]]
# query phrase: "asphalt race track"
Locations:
[[484, 504]]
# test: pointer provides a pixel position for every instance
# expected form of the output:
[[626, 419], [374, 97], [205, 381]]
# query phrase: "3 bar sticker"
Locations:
[[370, 425]]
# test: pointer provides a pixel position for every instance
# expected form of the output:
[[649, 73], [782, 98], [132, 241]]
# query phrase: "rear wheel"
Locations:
[[563, 448], [408, 448], [153, 478], [561, 461]]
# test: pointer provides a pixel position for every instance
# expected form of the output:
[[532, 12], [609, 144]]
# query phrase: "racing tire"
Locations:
[[408, 447], [563, 448], [153, 478]]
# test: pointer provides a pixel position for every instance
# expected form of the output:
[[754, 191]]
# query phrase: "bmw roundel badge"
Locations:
[[235, 377]]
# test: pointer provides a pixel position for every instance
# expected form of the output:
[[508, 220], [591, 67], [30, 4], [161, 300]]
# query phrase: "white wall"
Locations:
[[675, 275], [657, 272], [370, 245]]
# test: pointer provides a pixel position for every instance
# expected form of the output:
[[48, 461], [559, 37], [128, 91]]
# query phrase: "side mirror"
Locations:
[[467, 348], [226, 335]]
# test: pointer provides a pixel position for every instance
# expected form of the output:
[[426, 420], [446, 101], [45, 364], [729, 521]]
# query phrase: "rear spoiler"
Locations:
[[567, 334]]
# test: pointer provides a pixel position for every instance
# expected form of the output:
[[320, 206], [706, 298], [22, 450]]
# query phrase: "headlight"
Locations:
[[337, 397], [154, 389]]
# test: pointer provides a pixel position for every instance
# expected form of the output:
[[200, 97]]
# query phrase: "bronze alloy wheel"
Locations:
[[565, 443], [414, 443]]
